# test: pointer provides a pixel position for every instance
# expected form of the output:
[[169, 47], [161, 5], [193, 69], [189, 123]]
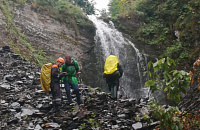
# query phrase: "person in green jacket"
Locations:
[[71, 66]]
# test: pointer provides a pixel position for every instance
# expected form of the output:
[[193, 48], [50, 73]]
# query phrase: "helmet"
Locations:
[[61, 60]]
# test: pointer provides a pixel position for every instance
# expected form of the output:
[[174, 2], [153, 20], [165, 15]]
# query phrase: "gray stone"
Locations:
[[121, 116], [4, 87], [26, 112], [19, 82], [38, 127], [54, 125], [137, 125], [15, 105]]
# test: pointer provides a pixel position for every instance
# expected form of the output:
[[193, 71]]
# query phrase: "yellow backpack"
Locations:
[[45, 77], [111, 64]]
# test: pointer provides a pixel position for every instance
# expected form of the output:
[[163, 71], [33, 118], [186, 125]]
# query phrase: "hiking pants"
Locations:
[[56, 96], [113, 89], [76, 91]]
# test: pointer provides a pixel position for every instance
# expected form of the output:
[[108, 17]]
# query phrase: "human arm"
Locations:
[[56, 74]]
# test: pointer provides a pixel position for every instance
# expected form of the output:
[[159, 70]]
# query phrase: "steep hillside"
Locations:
[[171, 27], [40, 35]]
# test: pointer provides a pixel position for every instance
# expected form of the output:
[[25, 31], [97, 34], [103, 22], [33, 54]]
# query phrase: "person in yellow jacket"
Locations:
[[112, 72]]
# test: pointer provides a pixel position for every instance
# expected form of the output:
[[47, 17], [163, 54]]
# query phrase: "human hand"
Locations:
[[78, 73]]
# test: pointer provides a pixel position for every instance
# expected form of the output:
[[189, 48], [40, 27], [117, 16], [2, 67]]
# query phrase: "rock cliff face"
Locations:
[[54, 38]]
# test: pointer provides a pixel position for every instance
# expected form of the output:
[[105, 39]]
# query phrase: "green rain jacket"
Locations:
[[71, 69]]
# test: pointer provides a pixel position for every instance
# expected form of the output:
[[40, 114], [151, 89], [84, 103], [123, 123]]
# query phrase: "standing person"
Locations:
[[55, 83], [112, 72], [71, 66]]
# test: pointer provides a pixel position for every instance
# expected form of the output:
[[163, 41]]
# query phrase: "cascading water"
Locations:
[[109, 41]]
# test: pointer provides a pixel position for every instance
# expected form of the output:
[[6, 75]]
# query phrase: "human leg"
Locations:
[[116, 86], [76, 90], [56, 95], [53, 96], [67, 88], [113, 91]]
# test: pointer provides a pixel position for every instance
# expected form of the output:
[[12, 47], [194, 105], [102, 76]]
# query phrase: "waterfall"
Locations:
[[109, 41]]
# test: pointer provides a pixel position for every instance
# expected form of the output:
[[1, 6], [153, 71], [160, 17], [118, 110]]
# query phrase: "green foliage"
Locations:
[[162, 75], [67, 38], [145, 117], [88, 99], [7, 13], [121, 7], [51, 3], [90, 89], [21, 2], [66, 12], [177, 51], [173, 82], [6, 115], [82, 126], [173, 50], [166, 116], [104, 14], [155, 32], [160, 20], [88, 7], [114, 8], [172, 118], [26, 117], [92, 121], [137, 118]]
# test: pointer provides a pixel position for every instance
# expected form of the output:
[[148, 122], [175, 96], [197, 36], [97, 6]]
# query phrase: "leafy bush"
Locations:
[[174, 82], [162, 75]]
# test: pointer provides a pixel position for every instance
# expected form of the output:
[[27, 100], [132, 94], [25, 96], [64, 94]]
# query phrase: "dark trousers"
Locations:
[[56, 96], [113, 88], [76, 91]]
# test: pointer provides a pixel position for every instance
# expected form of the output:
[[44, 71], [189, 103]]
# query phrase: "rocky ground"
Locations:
[[24, 105]]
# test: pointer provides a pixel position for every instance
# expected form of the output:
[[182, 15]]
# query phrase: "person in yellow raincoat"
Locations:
[[112, 72]]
